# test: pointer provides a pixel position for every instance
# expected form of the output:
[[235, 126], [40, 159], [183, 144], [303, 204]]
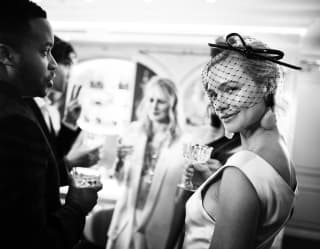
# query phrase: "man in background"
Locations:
[[66, 56], [32, 214]]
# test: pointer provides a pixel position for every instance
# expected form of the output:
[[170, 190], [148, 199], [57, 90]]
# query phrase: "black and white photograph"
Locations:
[[160, 124]]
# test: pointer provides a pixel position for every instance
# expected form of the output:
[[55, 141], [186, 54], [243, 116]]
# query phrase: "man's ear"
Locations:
[[6, 55]]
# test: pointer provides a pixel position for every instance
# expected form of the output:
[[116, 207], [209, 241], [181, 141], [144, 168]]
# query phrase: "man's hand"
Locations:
[[73, 108], [82, 199], [84, 158]]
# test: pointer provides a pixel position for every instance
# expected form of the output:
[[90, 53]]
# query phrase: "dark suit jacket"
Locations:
[[31, 213], [60, 143]]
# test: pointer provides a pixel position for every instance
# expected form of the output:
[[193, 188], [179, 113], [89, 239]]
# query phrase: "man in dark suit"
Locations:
[[32, 215]]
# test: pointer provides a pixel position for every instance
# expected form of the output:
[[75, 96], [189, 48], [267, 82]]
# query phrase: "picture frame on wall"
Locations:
[[143, 75]]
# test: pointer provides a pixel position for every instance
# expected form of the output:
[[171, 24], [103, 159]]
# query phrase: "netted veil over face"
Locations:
[[242, 71], [231, 79]]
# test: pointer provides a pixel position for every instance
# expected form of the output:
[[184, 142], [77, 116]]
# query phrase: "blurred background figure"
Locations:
[[150, 157], [65, 114], [65, 55]]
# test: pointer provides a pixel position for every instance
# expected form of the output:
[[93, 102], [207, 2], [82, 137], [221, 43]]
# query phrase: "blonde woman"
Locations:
[[247, 201], [152, 163]]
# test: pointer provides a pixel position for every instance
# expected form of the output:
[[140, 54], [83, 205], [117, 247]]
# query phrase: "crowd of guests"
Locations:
[[244, 194]]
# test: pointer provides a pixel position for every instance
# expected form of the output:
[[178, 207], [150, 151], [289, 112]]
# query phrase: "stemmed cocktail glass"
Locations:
[[194, 154]]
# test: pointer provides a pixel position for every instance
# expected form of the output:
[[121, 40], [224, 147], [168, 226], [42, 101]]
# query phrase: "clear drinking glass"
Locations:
[[86, 177], [194, 153]]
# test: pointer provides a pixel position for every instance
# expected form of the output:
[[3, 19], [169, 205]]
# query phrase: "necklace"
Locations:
[[152, 152]]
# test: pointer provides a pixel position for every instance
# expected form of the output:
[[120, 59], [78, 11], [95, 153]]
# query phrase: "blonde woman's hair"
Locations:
[[168, 87]]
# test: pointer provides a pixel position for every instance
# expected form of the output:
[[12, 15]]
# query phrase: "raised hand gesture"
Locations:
[[73, 108]]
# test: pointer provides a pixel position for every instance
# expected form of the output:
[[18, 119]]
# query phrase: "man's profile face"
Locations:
[[36, 66]]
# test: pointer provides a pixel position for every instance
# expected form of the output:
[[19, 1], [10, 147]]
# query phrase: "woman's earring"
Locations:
[[269, 120], [228, 134]]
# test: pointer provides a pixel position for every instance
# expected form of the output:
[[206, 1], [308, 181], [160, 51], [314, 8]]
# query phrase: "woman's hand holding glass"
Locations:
[[194, 154], [199, 172]]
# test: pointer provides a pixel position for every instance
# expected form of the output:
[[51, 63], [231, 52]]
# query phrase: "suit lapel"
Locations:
[[38, 118], [36, 109]]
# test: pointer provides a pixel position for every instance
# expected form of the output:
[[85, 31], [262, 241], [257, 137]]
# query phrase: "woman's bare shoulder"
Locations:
[[276, 154]]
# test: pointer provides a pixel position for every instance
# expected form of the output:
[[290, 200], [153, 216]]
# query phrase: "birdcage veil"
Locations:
[[244, 59]]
